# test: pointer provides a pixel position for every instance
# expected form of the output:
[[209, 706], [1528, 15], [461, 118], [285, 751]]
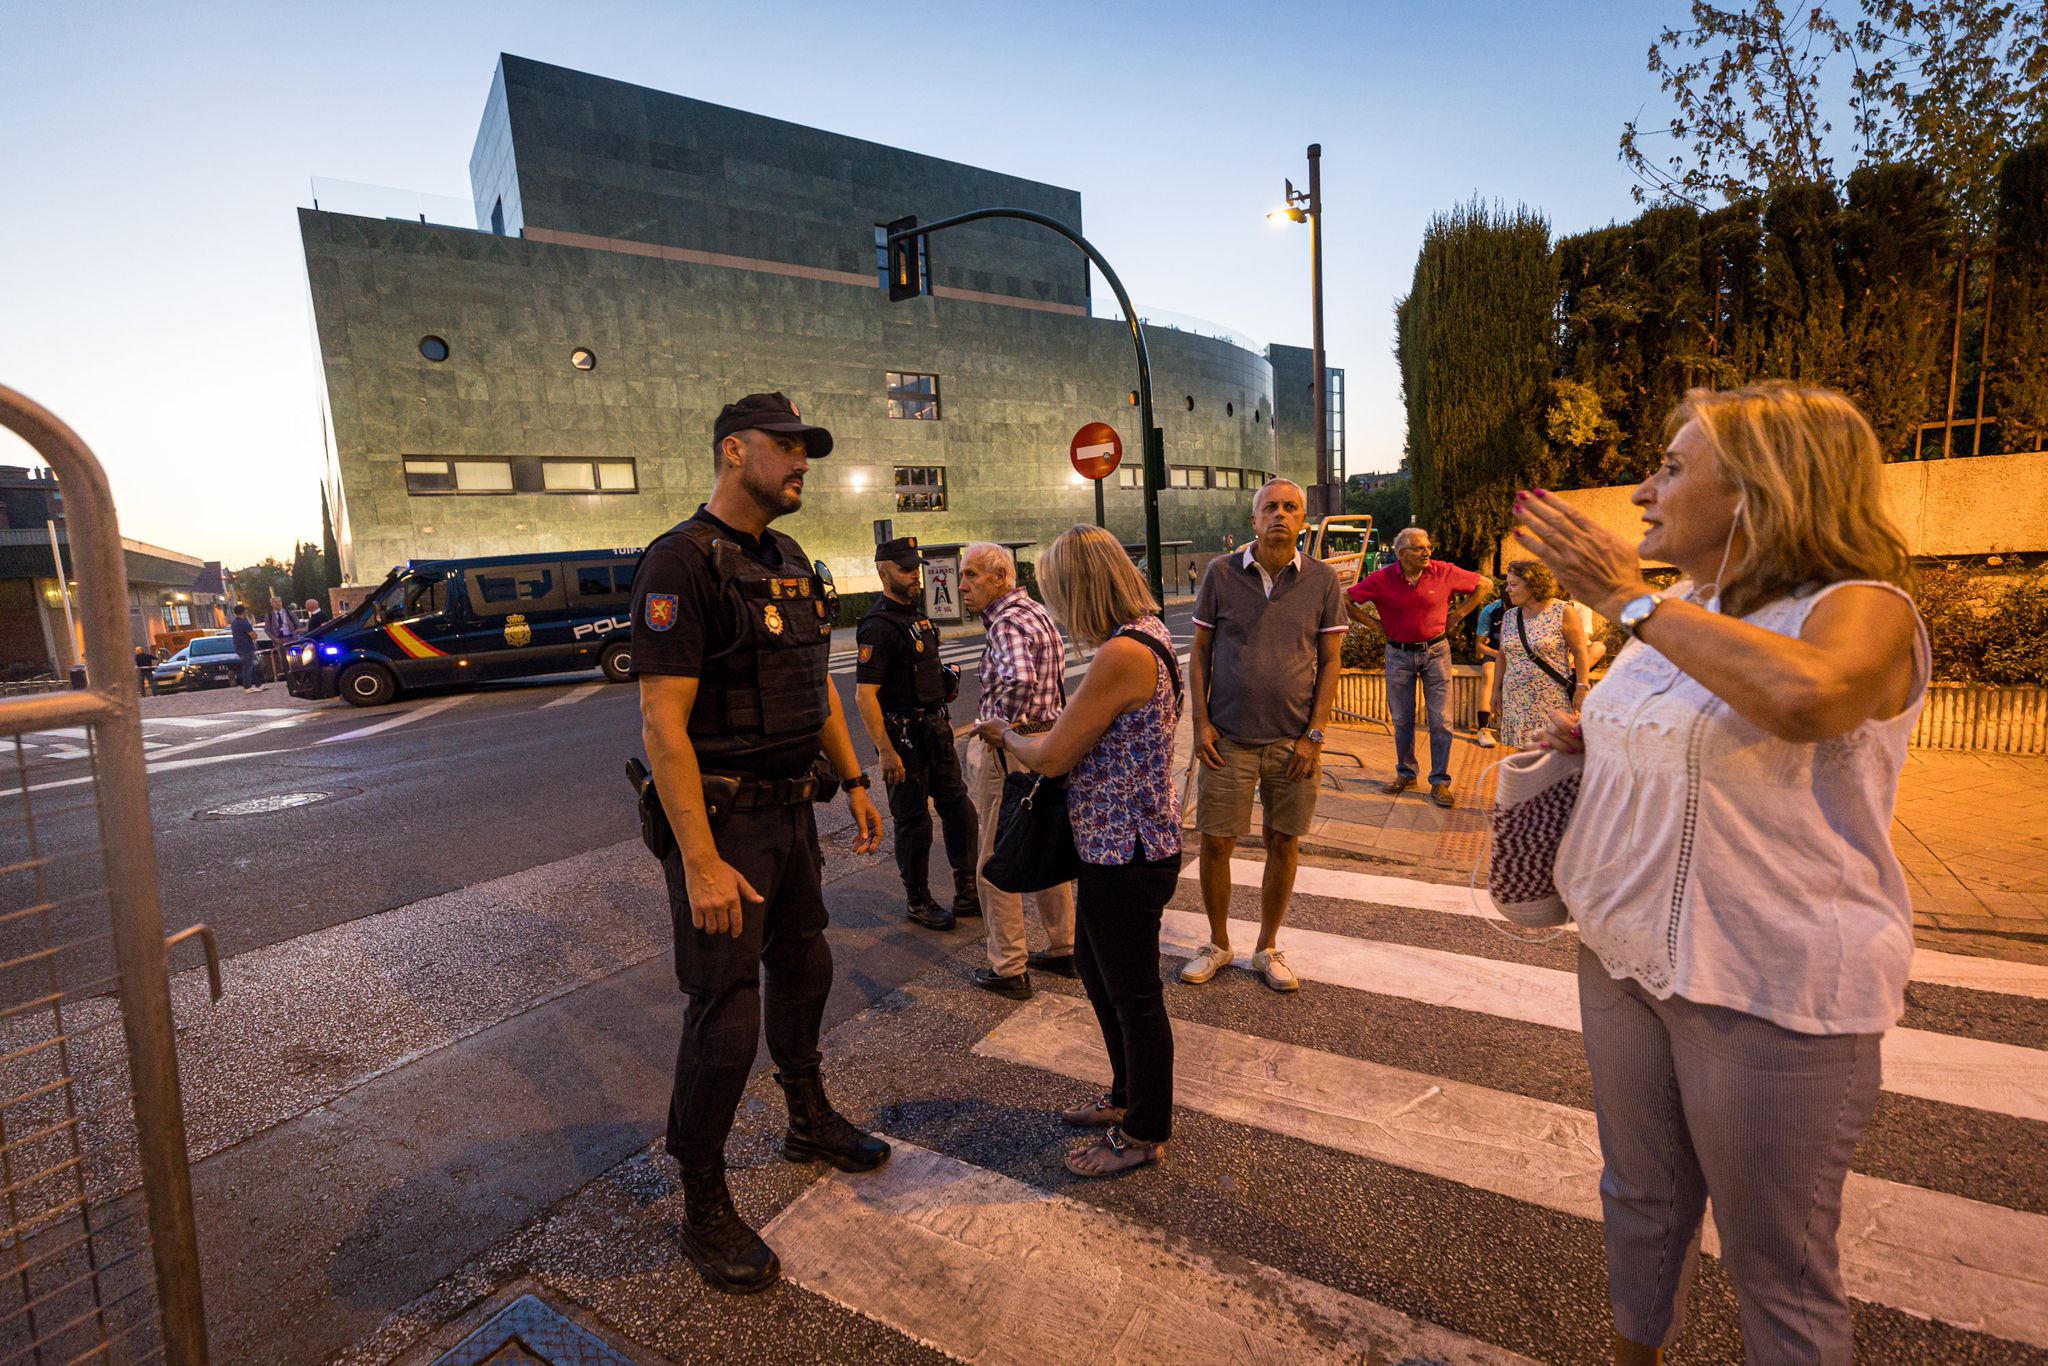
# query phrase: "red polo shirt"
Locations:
[[1418, 613]]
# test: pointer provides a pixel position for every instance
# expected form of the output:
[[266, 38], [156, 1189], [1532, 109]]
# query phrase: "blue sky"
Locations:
[[152, 290]]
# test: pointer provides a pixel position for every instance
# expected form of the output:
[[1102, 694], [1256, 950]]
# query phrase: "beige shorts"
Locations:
[[1223, 797]]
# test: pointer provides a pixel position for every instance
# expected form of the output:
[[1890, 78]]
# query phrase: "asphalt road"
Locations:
[[269, 826]]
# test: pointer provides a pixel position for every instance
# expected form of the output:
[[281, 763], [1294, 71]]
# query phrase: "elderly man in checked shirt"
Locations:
[[1022, 666]]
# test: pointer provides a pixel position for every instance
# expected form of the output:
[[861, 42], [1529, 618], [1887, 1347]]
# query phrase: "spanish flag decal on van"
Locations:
[[403, 637]]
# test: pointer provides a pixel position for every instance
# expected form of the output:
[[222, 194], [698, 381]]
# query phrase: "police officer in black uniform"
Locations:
[[732, 627], [902, 690]]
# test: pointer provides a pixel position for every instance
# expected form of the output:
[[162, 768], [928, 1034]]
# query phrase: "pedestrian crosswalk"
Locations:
[[158, 732], [985, 1252]]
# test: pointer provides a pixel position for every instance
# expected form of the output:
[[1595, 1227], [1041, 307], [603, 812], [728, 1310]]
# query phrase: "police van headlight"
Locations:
[[305, 654]]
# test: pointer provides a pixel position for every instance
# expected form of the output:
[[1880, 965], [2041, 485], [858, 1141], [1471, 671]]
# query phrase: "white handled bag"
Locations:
[[1532, 806]]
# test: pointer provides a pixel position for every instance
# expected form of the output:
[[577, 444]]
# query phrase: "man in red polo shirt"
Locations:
[[1413, 599]]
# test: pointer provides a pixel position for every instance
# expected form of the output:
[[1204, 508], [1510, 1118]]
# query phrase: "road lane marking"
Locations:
[[1945, 1257], [1033, 1277], [1996, 975], [154, 768], [420, 713], [1982, 1075], [207, 741], [581, 693]]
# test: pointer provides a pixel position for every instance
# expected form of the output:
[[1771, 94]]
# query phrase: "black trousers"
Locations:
[[931, 778], [1116, 951], [777, 970]]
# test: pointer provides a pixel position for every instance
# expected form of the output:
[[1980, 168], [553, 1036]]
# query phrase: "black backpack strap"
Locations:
[[1538, 660], [1166, 656]]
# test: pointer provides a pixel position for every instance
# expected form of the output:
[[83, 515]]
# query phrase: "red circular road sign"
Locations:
[[1096, 450]]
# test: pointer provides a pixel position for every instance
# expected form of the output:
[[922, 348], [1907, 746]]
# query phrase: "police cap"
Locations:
[[771, 413], [901, 552]]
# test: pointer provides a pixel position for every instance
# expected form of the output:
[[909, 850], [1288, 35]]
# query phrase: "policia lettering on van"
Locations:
[[438, 622]]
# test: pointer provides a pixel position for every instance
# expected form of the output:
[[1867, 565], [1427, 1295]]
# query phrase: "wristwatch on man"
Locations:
[[858, 780], [1314, 735], [1637, 610]]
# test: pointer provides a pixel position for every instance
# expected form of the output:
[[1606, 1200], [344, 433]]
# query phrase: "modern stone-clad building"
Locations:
[[548, 380]]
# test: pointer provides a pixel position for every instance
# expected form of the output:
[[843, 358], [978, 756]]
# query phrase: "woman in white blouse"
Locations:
[[1745, 929]]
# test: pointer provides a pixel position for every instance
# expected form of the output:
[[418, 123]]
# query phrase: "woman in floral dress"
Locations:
[[1536, 625]]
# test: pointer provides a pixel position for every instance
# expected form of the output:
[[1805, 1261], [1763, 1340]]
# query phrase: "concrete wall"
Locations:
[[1992, 504], [675, 339]]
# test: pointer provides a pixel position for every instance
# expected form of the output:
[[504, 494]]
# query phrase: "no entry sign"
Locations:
[[1096, 451]]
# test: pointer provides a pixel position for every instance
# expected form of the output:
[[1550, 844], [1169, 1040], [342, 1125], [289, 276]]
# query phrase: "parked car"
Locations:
[[210, 662]]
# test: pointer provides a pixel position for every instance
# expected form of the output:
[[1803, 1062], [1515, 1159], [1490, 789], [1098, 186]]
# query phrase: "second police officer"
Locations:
[[732, 628], [903, 689]]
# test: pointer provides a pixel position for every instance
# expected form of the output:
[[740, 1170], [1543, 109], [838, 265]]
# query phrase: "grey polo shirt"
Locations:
[[1262, 667]]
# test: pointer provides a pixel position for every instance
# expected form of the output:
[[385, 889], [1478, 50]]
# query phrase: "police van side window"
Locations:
[[425, 597], [501, 590], [601, 582]]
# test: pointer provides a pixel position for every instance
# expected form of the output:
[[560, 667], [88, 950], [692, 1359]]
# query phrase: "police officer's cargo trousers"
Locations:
[[931, 778], [776, 972]]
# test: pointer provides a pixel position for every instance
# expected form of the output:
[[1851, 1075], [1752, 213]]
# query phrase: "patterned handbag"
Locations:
[[1537, 790]]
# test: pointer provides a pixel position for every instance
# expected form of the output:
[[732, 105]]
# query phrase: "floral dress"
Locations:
[[1527, 694]]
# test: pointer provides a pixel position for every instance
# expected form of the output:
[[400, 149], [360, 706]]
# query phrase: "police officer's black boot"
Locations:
[[730, 1255], [819, 1133], [966, 900], [926, 911]]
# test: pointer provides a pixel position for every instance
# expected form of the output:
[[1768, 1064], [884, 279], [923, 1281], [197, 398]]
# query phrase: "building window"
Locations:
[[914, 396], [434, 349], [588, 476], [924, 265], [1187, 476], [1334, 380], [1230, 479], [920, 488], [1130, 477], [583, 358], [457, 476]]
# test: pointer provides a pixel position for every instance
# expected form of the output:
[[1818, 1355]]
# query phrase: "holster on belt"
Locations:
[[725, 793], [655, 831]]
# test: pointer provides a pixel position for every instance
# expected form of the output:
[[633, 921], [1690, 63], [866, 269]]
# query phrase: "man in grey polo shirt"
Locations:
[[1269, 635]]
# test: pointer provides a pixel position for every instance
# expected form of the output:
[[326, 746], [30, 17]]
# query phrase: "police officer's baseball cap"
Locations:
[[771, 413], [901, 552]]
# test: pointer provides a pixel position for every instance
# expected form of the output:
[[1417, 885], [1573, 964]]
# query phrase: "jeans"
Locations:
[[252, 672], [1433, 668], [1116, 951]]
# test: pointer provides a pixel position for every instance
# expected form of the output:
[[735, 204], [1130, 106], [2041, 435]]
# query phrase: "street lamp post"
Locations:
[[1308, 208]]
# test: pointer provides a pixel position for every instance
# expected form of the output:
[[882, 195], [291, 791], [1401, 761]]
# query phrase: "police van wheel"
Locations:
[[368, 685], [616, 661]]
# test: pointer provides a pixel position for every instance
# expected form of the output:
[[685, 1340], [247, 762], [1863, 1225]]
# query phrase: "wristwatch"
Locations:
[[858, 780], [1638, 610], [1314, 735]]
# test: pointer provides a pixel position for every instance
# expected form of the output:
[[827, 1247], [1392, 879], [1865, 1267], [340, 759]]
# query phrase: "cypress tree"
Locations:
[[330, 568], [2019, 319], [1893, 232], [1474, 338]]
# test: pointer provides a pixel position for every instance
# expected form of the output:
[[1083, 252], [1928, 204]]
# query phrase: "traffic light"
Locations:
[[906, 261]]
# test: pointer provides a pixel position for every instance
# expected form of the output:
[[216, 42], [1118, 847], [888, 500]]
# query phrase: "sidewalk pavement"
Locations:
[[1971, 830]]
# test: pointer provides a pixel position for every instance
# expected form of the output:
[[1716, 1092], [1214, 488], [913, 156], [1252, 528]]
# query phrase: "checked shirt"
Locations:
[[1021, 662]]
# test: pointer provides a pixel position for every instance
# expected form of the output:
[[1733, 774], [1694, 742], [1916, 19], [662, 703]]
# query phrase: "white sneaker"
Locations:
[[1271, 965], [1486, 740], [1206, 963]]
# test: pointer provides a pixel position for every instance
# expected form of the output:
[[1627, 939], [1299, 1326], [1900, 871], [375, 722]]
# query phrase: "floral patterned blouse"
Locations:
[[1120, 797]]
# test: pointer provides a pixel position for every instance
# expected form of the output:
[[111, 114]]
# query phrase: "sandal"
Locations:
[[1113, 1154], [1094, 1114]]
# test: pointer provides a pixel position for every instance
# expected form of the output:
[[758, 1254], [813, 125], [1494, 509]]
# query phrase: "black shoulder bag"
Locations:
[[1034, 845], [1522, 629]]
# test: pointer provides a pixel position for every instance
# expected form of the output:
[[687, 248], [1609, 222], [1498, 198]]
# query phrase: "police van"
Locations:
[[435, 623]]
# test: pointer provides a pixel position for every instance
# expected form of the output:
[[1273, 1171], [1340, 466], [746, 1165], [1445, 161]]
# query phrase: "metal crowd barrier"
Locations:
[[99, 1257]]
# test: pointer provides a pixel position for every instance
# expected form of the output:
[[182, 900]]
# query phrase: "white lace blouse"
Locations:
[[1711, 860]]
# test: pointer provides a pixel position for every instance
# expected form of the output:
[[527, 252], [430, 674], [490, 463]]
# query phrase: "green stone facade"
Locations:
[[701, 253]]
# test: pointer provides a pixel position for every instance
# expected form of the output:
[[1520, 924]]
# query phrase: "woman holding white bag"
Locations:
[[1744, 925]]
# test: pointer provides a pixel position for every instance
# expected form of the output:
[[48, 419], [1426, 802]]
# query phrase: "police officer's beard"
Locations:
[[772, 496]]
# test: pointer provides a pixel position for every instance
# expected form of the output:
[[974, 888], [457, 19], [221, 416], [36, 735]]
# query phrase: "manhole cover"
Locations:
[[258, 806], [528, 1332]]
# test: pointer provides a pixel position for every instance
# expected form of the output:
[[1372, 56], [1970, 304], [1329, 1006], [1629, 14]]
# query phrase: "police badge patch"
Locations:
[[771, 617], [660, 613], [867, 652]]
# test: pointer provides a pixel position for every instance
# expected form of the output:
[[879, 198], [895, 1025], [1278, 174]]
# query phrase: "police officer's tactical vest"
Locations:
[[920, 651], [764, 676]]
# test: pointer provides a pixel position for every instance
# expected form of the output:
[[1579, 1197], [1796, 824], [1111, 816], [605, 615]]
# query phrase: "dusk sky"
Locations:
[[153, 289]]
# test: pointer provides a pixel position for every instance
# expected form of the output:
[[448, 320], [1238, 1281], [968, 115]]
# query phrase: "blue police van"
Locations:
[[436, 623]]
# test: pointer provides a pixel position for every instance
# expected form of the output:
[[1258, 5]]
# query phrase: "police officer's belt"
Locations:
[[931, 713], [744, 793]]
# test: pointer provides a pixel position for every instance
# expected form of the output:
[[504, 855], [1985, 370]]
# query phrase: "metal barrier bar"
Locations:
[[128, 851]]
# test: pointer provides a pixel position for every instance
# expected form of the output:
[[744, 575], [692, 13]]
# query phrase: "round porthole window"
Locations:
[[433, 348], [1255, 417], [1230, 410], [583, 358], [1134, 398], [1190, 400]]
